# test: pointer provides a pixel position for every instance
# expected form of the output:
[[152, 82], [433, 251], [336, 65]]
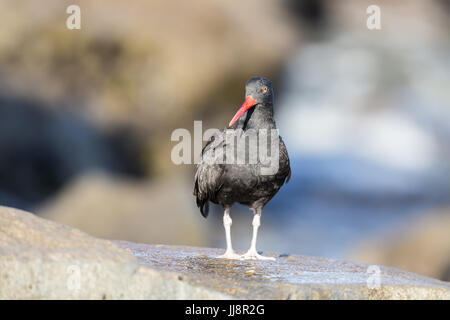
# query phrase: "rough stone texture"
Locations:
[[39, 260], [290, 277]]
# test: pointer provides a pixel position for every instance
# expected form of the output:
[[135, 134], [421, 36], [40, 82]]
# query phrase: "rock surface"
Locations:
[[40, 259]]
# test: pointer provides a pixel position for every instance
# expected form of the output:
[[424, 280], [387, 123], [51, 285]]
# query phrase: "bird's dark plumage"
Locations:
[[226, 184]]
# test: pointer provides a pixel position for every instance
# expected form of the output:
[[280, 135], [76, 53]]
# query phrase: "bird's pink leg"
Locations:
[[252, 254], [227, 222]]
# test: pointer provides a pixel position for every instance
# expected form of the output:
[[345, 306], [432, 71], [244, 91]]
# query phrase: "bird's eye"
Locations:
[[265, 89]]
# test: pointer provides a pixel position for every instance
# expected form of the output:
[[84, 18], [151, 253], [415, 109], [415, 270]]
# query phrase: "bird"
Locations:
[[225, 182]]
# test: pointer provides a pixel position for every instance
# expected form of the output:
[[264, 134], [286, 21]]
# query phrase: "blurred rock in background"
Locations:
[[114, 208], [154, 66], [422, 247], [42, 149]]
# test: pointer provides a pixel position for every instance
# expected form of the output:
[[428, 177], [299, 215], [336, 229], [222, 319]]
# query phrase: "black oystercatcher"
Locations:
[[220, 180]]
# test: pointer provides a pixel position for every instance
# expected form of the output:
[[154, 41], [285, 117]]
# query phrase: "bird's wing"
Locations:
[[284, 162], [209, 173]]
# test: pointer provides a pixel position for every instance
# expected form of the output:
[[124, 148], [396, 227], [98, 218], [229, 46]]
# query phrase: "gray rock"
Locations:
[[40, 259]]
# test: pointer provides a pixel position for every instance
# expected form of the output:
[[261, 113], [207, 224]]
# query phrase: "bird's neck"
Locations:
[[258, 117]]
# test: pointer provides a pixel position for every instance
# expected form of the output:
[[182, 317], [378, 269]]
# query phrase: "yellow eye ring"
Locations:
[[265, 89]]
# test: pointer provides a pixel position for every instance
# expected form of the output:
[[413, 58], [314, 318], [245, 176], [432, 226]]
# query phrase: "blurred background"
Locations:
[[86, 118]]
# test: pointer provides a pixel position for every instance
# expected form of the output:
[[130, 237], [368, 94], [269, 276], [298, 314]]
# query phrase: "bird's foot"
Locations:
[[229, 254], [254, 255]]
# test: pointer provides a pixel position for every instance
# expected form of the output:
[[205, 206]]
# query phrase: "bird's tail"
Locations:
[[204, 207], [202, 202]]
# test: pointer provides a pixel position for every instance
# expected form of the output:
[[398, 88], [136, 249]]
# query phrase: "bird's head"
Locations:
[[258, 90]]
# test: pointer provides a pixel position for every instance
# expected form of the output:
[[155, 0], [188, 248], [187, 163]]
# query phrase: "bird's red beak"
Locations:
[[248, 103]]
